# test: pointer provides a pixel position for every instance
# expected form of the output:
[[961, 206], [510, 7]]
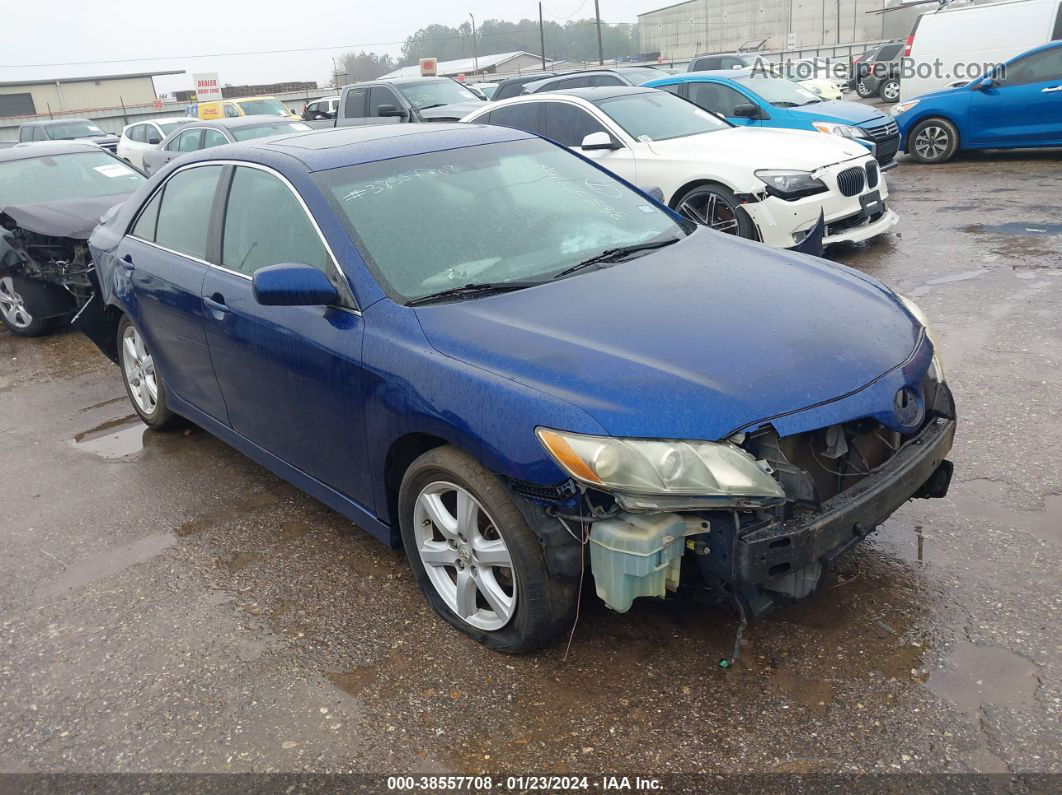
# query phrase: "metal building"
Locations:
[[702, 26], [63, 95]]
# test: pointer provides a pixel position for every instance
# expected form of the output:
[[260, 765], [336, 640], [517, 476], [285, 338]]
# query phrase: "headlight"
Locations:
[[936, 367], [844, 130], [903, 107], [653, 475], [791, 184]]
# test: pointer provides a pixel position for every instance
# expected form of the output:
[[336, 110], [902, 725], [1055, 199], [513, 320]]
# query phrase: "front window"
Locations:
[[67, 130], [274, 128], [436, 93], [74, 176], [659, 116], [263, 107], [548, 210], [778, 91]]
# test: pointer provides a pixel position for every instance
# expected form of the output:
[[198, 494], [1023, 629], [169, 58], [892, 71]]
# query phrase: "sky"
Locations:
[[53, 38]]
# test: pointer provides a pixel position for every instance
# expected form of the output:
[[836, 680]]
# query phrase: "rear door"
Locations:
[[353, 111], [1023, 108], [291, 375], [162, 266]]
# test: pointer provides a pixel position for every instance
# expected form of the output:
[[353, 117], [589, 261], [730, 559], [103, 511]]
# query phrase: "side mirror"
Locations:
[[599, 140], [291, 284], [746, 111], [655, 192], [390, 110], [985, 84], [154, 140]]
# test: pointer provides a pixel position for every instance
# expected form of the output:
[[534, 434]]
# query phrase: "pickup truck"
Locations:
[[81, 130], [409, 99]]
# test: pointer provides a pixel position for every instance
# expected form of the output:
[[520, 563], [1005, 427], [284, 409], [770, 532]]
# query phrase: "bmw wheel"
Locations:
[[714, 206], [140, 376], [890, 90], [476, 560], [933, 141]]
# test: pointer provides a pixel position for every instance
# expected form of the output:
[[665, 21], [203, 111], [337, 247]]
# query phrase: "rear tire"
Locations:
[[29, 308], [933, 141], [864, 90], [487, 577], [143, 385]]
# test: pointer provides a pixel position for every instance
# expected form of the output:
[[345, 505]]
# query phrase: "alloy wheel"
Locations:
[[139, 369], [863, 89], [891, 91], [464, 555], [711, 209], [932, 142], [12, 305]]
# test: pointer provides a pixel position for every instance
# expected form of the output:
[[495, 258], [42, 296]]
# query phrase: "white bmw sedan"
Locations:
[[764, 184]]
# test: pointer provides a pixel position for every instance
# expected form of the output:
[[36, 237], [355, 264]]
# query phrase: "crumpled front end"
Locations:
[[824, 488]]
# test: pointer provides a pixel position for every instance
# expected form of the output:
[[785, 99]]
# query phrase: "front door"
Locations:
[[163, 258], [721, 100], [569, 125], [291, 375], [1023, 107]]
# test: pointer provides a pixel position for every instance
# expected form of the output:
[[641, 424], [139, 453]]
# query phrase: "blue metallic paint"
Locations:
[[293, 284], [696, 340]]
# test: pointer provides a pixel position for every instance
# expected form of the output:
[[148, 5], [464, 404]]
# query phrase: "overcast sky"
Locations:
[[67, 31]]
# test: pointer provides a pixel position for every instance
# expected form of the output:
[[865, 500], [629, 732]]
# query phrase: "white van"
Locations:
[[953, 45]]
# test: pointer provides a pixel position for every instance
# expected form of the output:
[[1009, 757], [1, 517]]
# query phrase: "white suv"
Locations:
[[141, 136]]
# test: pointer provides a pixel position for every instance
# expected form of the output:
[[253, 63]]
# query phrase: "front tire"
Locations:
[[890, 90], [476, 560], [29, 308], [715, 206], [933, 141], [142, 384]]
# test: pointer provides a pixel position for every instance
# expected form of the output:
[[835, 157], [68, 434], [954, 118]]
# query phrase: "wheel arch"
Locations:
[[697, 183], [403, 452], [927, 116]]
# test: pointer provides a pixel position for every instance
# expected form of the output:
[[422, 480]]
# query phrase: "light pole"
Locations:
[[600, 49], [475, 53]]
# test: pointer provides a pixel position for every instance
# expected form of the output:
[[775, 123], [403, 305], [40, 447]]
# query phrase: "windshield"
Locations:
[[263, 107], [433, 93], [658, 116], [170, 126], [72, 129], [548, 210], [262, 130], [639, 75], [487, 89], [778, 91], [74, 176]]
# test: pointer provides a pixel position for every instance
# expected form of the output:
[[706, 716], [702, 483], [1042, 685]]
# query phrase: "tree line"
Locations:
[[575, 40]]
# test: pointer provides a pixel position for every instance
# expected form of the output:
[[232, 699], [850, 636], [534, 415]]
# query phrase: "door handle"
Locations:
[[216, 303], [127, 262], [1051, 90]]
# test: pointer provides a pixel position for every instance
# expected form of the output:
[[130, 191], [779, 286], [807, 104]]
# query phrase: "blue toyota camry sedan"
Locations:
[[599, 388]]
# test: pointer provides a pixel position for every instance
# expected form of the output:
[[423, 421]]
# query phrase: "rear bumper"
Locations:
[[768, 557]]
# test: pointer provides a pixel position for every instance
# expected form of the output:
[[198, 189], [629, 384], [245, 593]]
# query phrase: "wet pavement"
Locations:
[[165, 604]]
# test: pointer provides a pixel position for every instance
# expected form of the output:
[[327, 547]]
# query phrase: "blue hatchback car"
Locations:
[[1018, 106], [599, 382], [748, 97]]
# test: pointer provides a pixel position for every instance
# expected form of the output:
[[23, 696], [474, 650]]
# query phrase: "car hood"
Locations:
[[838, 110], [760, 148], [456, 110], [73, 218], [696, 340]]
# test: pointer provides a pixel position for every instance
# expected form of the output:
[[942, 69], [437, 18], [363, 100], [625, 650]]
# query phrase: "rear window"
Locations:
[[263, 130]]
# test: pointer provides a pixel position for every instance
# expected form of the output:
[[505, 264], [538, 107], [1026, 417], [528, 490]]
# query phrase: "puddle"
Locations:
[[110, 562], [986, 501], [354, 682], [979, 675], [1022, 228], [119, 438]]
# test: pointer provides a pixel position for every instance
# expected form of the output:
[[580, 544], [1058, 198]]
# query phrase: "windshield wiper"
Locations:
[[435, 105], [785, 103], [469, 290], [616, 254]]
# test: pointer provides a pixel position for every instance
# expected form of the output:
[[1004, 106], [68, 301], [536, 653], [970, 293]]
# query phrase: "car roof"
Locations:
[[28, 151], [322, 150], [239, 121], [727, 55], [715, 73], [50, 122]]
